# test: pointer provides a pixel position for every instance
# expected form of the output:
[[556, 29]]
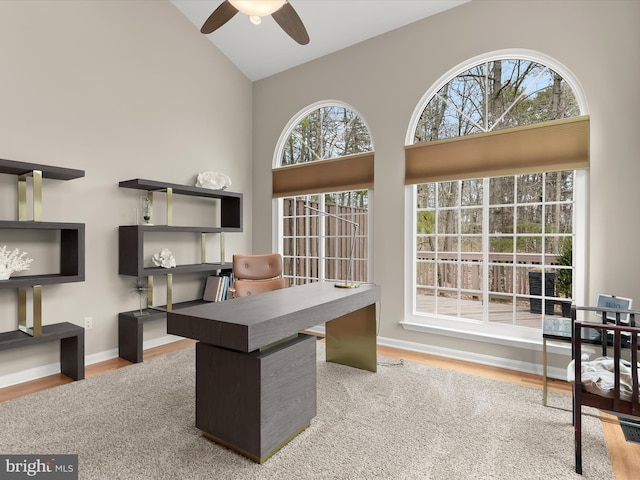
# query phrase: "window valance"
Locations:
[[549, 146], [352, 172]]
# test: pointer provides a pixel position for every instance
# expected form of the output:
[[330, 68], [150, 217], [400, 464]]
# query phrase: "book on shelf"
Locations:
[[224, 288], [211, 288], [216, 288]]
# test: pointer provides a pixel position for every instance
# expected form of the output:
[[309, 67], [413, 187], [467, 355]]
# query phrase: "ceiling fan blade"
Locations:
[[219, 17], [290, 22]]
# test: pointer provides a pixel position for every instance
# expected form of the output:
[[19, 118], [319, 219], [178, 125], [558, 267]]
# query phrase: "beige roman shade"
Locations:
[[353, 172], [549, 146]]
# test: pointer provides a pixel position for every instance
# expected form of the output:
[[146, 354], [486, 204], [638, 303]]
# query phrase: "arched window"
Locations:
[[495, 157], [322, 176]]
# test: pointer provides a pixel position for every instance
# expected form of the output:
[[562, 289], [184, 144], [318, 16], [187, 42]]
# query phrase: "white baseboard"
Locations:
[[519, 366], [53, 368], [527, 367]]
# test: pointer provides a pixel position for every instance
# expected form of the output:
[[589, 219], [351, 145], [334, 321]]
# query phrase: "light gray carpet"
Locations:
[[405, 422]]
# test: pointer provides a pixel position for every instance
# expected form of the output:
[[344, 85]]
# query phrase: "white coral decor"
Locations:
[[213, 180], [164, 258], [13, 261]]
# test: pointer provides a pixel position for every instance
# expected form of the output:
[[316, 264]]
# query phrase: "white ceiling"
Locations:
[[263, 50]]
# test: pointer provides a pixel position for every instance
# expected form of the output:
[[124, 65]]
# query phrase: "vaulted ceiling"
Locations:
[[263, 50]]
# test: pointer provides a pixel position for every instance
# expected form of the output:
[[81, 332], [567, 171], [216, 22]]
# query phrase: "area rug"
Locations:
[[406, 421]]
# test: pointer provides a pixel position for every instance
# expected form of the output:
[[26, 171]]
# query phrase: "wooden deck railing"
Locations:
[[301, 229]]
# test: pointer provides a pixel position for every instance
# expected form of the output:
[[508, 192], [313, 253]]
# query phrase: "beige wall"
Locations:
[[131, 89], [384, 79], [122, 90]]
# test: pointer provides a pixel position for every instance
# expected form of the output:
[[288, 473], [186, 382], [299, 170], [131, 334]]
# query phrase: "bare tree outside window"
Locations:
[[480, 243]]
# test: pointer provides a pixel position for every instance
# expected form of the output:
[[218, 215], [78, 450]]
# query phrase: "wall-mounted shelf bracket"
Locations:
[[36, 329], [37, 195]]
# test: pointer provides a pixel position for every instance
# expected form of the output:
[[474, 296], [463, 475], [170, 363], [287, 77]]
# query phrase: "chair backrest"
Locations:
[[257, 273]]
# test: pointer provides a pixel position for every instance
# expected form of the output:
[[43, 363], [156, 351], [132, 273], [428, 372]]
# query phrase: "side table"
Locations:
[[555, 329], [559, 330]]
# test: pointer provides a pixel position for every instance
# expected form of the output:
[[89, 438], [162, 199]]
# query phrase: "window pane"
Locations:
[[447, 244], [501, 189], [529, 219], [471, 192], [327, 132], [471, 278], [502, 244], [471, 244], [447, 273], [425, 273], [427, 195], [501, 309], [559, 218], [514, 251], [448, 194], [501, 219], [524, 221], [471, 220], [559, 186], [529, 188], [501, 278], [426, 243]]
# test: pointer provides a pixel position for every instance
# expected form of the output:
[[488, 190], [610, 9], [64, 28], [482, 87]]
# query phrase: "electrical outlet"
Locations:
[[88, 323]]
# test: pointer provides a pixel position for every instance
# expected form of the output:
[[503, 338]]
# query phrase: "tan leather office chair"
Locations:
[[256, 274]]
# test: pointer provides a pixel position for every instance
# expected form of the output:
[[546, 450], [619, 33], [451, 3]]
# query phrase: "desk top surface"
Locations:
[[248, 323]]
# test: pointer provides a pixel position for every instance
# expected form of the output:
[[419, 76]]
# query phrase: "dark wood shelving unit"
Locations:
[[72, 263], [231, 210], [12, 167], [71, 269], [131, 244], [71, 345], [131, 260], [130, 328]]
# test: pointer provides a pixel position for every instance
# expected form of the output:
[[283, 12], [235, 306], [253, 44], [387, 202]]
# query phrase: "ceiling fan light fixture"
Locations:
[[257, 8], [281, 11]]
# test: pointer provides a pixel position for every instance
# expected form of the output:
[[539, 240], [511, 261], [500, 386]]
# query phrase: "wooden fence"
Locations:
[[303, 244]]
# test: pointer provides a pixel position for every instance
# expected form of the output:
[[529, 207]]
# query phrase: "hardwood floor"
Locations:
[[26, 388], [625, 456]]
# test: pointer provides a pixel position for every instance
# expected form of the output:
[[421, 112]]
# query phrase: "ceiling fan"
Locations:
[[281, 11]]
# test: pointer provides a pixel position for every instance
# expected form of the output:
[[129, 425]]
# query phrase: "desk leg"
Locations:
[[351, 339], [544, 371]]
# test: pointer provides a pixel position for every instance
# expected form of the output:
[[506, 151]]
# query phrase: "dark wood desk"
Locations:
[[255, 371]]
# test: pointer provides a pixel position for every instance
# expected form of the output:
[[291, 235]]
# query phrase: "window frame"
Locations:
[[277, 202], [461, 328]]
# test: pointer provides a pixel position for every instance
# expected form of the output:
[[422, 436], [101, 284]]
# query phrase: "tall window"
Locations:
[[323, 225], [496, 249]]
